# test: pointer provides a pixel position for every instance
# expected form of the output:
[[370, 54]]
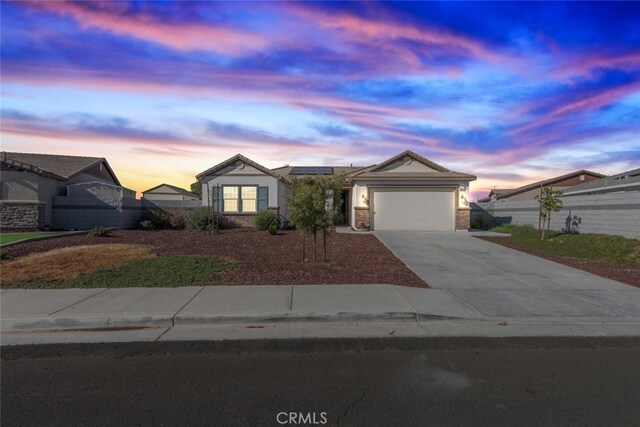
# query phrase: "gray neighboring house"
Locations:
[[168, 192], [531, 191], [405, 192], [35, 189], [622, 182]]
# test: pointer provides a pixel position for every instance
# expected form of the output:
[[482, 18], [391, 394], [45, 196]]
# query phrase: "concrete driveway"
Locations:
[[460, 261], [498, 281]]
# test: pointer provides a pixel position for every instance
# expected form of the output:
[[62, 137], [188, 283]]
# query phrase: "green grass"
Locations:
[[14, 237], [614, 249], [161, 271]]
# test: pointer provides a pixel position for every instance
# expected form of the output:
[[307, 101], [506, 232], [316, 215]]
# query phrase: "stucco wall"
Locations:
[[617, 213], [18, 185]]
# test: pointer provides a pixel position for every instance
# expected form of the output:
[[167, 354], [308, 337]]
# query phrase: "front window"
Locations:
[[230, 195], [240, 198], [249, 197]]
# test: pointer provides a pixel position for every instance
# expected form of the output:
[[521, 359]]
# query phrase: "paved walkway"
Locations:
[[320, 311]]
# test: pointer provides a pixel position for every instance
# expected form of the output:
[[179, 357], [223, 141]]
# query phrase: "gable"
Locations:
[[238, 170], [164, 190], [408, 165]]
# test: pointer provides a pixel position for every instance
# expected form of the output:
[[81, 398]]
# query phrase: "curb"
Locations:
[[55, 236]]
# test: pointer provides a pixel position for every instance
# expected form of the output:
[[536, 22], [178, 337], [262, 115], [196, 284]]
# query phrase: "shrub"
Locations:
[[146, 225], [264, 219], [273, 229], [199, 220], [4, 255], [100, 232]]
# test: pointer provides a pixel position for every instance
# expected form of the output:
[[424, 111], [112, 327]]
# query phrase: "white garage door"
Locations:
[[413, 209]]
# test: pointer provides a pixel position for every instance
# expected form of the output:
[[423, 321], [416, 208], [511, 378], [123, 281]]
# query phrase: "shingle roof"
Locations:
[[285, 171], [178, 190], [60, 167], [549, 182], [245, 160], [624, 179]]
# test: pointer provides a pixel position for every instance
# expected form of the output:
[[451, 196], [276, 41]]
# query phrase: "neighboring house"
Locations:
[[623, 182], [530, 191], [406, 192], [168, 192], [32, 186], [495, 194]]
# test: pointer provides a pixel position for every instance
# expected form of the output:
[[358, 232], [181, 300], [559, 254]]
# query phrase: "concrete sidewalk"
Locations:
[[359, 309]]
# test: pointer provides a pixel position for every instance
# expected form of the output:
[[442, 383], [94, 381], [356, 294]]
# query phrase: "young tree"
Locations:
[[196, 188], [314, 205], [550, 201]]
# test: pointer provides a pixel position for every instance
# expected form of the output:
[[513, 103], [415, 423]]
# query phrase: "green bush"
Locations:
[[4, 255], [100, 232], [199, 220], [273, 229], [146, 225], [264, 219]]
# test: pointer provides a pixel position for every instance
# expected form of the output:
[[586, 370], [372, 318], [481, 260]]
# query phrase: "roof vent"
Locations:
[[239, 164], [406, 160]]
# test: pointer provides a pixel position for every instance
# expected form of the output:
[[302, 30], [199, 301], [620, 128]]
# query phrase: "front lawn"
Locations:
[[14, 237], [600, 247], [613, 257], [108, 265], [176, 258]]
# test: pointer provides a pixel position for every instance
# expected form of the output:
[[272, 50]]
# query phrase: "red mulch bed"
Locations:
[[622, 273], [263, 259]]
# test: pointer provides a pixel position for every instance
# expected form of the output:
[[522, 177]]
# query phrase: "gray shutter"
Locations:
[[263, 198], [219, 199]]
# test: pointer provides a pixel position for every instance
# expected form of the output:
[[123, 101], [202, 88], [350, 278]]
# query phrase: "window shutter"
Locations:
[[218, 199], [263, 198]]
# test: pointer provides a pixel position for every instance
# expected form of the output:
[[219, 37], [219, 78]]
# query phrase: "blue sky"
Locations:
[[511, 92]]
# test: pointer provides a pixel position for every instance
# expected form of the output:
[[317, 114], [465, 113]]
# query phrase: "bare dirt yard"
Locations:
[[629, 274], [260, 258]]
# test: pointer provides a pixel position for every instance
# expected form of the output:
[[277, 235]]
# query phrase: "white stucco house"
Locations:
[[405, 192]]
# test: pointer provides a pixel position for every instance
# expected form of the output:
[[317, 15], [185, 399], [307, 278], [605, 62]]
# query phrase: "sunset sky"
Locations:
[[510, 92]]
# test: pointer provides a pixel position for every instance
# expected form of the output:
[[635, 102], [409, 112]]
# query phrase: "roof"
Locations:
[[441, 171], [622, 180], [285, 171], [178, 190], [497, 192], [246, 161], [547, 182], [59, 167]]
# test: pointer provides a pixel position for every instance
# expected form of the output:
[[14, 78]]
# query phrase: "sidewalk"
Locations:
[[313, 310]]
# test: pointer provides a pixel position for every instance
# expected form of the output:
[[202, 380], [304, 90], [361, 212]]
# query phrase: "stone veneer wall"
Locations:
[[362, 217], [22, 215], [463, 219]]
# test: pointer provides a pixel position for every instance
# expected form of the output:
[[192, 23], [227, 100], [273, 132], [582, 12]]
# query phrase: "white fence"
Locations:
[[612, 213]]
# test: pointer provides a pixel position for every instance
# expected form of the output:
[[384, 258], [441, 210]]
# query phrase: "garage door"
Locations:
[[413, 209]]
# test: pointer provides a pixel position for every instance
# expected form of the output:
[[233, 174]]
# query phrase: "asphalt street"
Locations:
[[404, 382]]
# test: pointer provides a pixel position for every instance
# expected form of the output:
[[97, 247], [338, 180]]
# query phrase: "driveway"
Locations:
[[499, 281]]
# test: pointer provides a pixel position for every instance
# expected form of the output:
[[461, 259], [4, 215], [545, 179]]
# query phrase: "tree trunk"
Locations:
[[540, 224], [304, 247], [324, 244], [315, 245]]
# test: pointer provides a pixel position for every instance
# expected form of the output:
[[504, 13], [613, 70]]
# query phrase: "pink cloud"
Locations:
[[353, 31], [585, 65], [583, 104], [113, 17]]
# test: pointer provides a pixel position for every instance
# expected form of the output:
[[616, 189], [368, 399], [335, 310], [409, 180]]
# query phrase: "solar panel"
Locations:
[[317, 170]]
